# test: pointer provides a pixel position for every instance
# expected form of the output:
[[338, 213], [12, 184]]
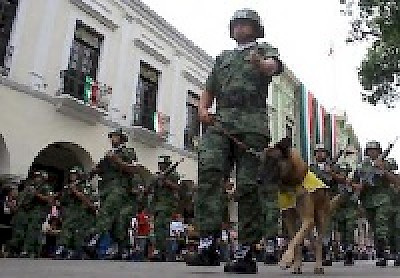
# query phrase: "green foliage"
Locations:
[[379, 21]]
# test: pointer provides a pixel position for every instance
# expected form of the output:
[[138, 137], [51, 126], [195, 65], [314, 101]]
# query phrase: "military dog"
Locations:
[[301, 194]]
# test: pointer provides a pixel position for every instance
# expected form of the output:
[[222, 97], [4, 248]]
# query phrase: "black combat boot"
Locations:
[[206, 254], [349, 256], [271, 257], [243, 262], [380, 254], [326, 255]]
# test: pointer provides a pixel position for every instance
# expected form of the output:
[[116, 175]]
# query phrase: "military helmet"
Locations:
[[164, 159], [120, 133], [373, 145], [247, 14], [320, 147]]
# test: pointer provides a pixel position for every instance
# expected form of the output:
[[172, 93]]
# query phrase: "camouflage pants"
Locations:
[[77, 226], [164, 208], [216, 154], [116, 211], [378, 211], [272, 213], [20, 224], [346, 221], [27, 234]]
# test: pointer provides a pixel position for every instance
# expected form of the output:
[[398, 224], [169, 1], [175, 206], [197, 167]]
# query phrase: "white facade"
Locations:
[[284, 107], [35, 112]]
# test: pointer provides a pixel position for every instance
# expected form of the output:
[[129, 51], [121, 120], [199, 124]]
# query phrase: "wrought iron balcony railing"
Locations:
[[83, 88]]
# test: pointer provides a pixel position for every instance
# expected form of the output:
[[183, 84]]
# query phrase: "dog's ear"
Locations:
[[284, 146]]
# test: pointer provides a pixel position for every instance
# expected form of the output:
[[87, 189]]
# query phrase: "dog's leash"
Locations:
[[239, 143]]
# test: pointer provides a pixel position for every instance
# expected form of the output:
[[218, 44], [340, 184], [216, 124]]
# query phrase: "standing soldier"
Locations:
[[33, 206], [346, 216], [165, 190], [375, 197], [78, 214], [322, 168], [239, 84], [116, 170]]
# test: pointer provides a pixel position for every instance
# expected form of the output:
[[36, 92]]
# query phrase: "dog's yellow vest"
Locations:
[[311, 182]]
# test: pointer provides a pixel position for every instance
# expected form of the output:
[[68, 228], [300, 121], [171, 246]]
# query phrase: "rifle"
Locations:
[[73, 190], [371, 172], [163, 174], [239, 143]]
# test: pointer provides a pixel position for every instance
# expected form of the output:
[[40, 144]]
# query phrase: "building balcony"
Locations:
[[82, 97], [152, 129]]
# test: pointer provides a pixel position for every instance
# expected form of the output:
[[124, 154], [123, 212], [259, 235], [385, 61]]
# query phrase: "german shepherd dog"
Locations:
[[283, 166]]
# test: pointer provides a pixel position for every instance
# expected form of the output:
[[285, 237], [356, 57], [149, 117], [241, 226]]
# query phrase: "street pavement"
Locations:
[[27, 268]]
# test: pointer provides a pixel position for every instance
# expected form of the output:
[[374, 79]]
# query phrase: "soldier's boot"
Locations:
[[270, 252], [326, 255], [206, 254], [380, 254], [60, 252], [349, 256], [243, 262]]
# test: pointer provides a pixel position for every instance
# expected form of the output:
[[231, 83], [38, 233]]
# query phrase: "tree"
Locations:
[[379, 22]]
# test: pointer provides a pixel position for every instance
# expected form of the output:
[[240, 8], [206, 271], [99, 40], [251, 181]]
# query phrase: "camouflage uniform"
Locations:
[[345, 217], [376, 200], [164, 204], [240, 90], [30, 216], [78, 218], [323, 172], [117, 202]]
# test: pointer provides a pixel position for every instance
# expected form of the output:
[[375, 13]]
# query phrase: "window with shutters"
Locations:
[[193, 126], [83, 60], [8, 10], [146, 96]]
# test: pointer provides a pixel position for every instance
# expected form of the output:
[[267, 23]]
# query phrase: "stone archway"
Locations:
[[4, 157], [57, 158]]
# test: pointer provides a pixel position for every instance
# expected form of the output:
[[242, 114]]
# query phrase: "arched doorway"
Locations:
[[4, 157], [57, 158]]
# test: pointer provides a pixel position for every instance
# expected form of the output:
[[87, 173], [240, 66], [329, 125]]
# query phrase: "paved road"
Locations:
[[25, 268]]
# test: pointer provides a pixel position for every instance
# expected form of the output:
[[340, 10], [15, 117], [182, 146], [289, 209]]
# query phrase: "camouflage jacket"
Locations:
[[241, 89], [111, 173], [70, 202]]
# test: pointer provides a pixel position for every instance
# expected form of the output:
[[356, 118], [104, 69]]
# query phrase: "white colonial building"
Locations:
[[72, 70]]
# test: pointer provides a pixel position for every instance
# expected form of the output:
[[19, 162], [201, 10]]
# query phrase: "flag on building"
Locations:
[[306, 123]]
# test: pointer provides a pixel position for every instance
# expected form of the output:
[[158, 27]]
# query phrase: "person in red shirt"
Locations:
[[143, 232]]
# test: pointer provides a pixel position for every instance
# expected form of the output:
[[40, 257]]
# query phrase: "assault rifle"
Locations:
[[369, 171], [161, 176]]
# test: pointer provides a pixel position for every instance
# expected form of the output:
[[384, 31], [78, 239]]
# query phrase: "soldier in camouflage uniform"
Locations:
[[78, 214], [115, 192], [34, 203], [375, 198], [395, 217], [239, 84], [164, 204], [322, 168], [345, 216]]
